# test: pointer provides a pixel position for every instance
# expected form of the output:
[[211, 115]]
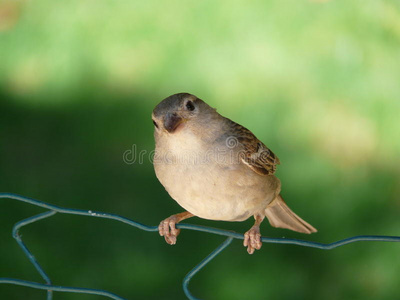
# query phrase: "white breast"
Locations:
[[205, 184]]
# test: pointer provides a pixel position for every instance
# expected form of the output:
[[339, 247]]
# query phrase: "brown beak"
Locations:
[[172, 121]]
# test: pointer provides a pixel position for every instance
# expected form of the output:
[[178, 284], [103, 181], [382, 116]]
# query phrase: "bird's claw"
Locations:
[[252, 239], [168, 230]]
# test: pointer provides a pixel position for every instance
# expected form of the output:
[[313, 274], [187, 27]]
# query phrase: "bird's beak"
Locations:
[[172, 121]]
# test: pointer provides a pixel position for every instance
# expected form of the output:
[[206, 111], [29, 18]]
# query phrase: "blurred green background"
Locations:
[[317, 82]]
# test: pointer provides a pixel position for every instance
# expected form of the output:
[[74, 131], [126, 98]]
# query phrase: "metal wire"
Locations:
[[201, 265], [53, 209]]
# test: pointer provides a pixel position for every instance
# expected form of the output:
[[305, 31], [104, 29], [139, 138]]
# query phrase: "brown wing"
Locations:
[[254, 154]]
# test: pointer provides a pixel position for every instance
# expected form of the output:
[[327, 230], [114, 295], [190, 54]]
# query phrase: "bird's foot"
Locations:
[[252, 239], [168, 230]]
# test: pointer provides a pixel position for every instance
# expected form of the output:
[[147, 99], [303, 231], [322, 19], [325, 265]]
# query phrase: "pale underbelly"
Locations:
[[232, 193]]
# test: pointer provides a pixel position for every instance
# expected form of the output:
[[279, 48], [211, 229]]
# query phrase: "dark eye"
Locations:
[[155, 124], [190, 106]]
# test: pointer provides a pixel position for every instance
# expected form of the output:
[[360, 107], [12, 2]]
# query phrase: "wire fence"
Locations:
[[53, 209]]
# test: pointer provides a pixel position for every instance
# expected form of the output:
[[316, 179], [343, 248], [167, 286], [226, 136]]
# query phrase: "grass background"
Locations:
[[316, 81]]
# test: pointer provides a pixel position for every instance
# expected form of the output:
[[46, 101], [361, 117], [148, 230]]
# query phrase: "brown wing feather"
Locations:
[[255, 154]]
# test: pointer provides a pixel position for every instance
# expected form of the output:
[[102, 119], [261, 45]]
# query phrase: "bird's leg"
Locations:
[[167, 227], [252, 238]]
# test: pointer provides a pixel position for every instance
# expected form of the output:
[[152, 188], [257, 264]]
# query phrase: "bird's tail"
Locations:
[[281, 216]]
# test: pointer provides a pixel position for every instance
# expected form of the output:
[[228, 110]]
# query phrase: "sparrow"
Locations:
[[216, 169]]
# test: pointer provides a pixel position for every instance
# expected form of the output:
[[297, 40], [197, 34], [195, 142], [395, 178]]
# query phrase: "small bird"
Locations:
[[216, 169]]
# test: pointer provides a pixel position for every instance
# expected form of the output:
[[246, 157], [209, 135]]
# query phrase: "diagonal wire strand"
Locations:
[[17, 237], [52, 209], [197, 268]]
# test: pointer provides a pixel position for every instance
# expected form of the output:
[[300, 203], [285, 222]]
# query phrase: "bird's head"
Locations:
[[177, 111]]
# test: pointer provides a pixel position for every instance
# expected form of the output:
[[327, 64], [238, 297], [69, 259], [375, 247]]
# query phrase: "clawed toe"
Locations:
[[252, 240], [168, 230]]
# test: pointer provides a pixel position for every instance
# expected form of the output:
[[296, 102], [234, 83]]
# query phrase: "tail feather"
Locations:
[[281, 216]]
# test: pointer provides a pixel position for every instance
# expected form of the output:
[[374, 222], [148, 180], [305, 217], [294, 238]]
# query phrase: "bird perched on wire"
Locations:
[[216, 169]]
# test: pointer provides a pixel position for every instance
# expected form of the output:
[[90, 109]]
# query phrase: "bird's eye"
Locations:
[[190, 106], [155, 124]]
